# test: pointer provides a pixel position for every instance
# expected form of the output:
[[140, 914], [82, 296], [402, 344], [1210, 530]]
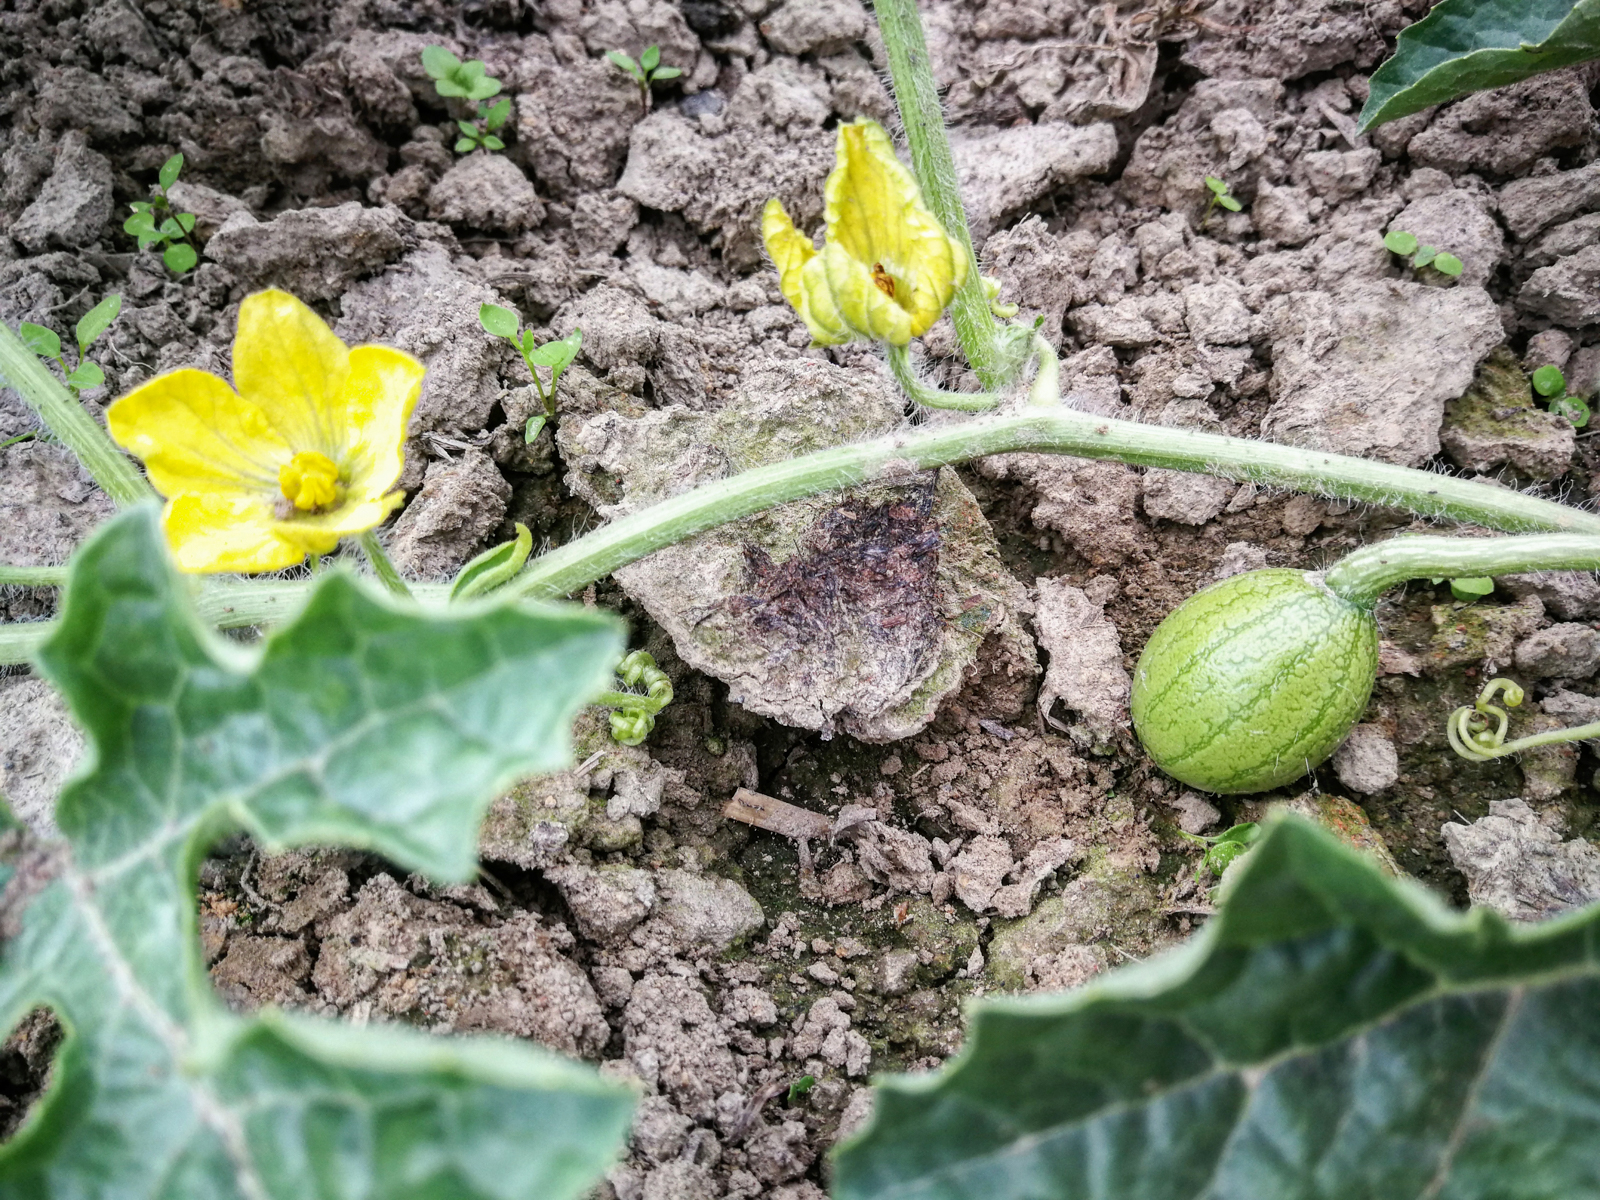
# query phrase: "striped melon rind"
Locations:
[[1254, 681]]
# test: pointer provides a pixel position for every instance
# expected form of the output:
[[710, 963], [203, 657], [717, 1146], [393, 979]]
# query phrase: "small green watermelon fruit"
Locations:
[[1254, 681]]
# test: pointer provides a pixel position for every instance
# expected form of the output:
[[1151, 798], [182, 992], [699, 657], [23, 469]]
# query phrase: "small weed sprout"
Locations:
[[1220, 197], [1223, 848], [1470, 589], [1551, 385], [554, 356], [646, 73], [1406, 245], [154, 223], [47, 345], [457, 80]]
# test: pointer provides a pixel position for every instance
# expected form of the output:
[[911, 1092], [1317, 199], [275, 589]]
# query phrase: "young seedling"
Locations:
[[554, 357], [1551, 385], [1223, 848], [1398, 241], [47, 345], [646, 73], [155, 223], [1220, 196], [457, 80]]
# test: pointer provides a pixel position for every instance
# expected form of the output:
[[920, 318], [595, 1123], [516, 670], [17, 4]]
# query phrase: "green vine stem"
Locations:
[[32, 576], [114, 471], [1365, 574], [931, 397], [1477, 731], [1052, 431], [917, 97]]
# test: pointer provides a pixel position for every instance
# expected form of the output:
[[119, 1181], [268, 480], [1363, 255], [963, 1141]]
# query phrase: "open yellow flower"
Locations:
[[887, 268], [304, 453]]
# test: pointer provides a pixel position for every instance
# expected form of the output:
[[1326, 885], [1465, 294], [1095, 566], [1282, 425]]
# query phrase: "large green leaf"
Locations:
[[1466, 46], [364, 723], [1331, 1033]]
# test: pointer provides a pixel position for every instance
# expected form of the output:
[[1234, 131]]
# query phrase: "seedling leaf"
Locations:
[[490, 142], [1464, 46], [95, 322], [1229, 203], [465, 145], [1474, 588], [141, 224], [1574, 409], [662, 73], [530, 432], [1549, 381], [498, 114], [40, 340], [1217, 186], [1398, 241], [438, 62], [185, 222], [650, 59], [179, 258], [625, 61], [1448, 264], [501, 322], [1425, 256], [365, 723], [86, 375], [168, 175], [1330, 1032]]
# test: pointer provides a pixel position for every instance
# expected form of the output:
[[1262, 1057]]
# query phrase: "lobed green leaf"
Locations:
[[1464, 46], [1330, 1032], [438, 62], [364, 722]]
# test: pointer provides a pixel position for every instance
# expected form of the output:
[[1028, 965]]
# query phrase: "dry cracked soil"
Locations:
[[935, 667]]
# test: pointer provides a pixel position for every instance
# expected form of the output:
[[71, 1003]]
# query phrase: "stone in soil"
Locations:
[[73, 204], [859, 613], [1367, 370], [1517, 864], [316, 253], [1367, 762], [1085, 671]]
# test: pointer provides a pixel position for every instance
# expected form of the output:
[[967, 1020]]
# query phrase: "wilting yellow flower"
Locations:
[[303, 454], [886, 269]]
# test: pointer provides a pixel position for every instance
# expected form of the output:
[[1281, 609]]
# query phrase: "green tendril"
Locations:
[[1477, 732], [634, 715]]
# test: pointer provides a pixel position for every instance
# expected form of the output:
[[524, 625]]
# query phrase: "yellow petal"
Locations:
[[380, 393], [287, 363], [863, 304], [875, 214], [320, 532], [213, 532], [801, 277], [196, 435]]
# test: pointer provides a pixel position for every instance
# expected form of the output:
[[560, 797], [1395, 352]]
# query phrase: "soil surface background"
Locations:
[[1017, 839]]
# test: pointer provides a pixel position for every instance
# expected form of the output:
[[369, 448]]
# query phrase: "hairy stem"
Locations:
[[33, 576], [1057, 431], [917, 97], [931, 397], [72, 426], [1365, 574]]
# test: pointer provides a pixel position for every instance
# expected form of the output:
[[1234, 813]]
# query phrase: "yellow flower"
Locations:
[[303, 454], [887, 269]]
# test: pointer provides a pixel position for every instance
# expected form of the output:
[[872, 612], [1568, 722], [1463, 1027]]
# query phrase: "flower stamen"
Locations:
[[310, 482]]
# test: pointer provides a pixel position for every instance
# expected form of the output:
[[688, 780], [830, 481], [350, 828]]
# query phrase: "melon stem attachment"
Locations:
[[1477, 731], [1365, 574]]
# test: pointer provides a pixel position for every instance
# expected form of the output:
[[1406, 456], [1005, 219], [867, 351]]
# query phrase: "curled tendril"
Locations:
[[1477, 732], [634, 714]]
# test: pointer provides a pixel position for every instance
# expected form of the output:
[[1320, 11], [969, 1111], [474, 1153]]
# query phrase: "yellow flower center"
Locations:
[[310, 481]]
